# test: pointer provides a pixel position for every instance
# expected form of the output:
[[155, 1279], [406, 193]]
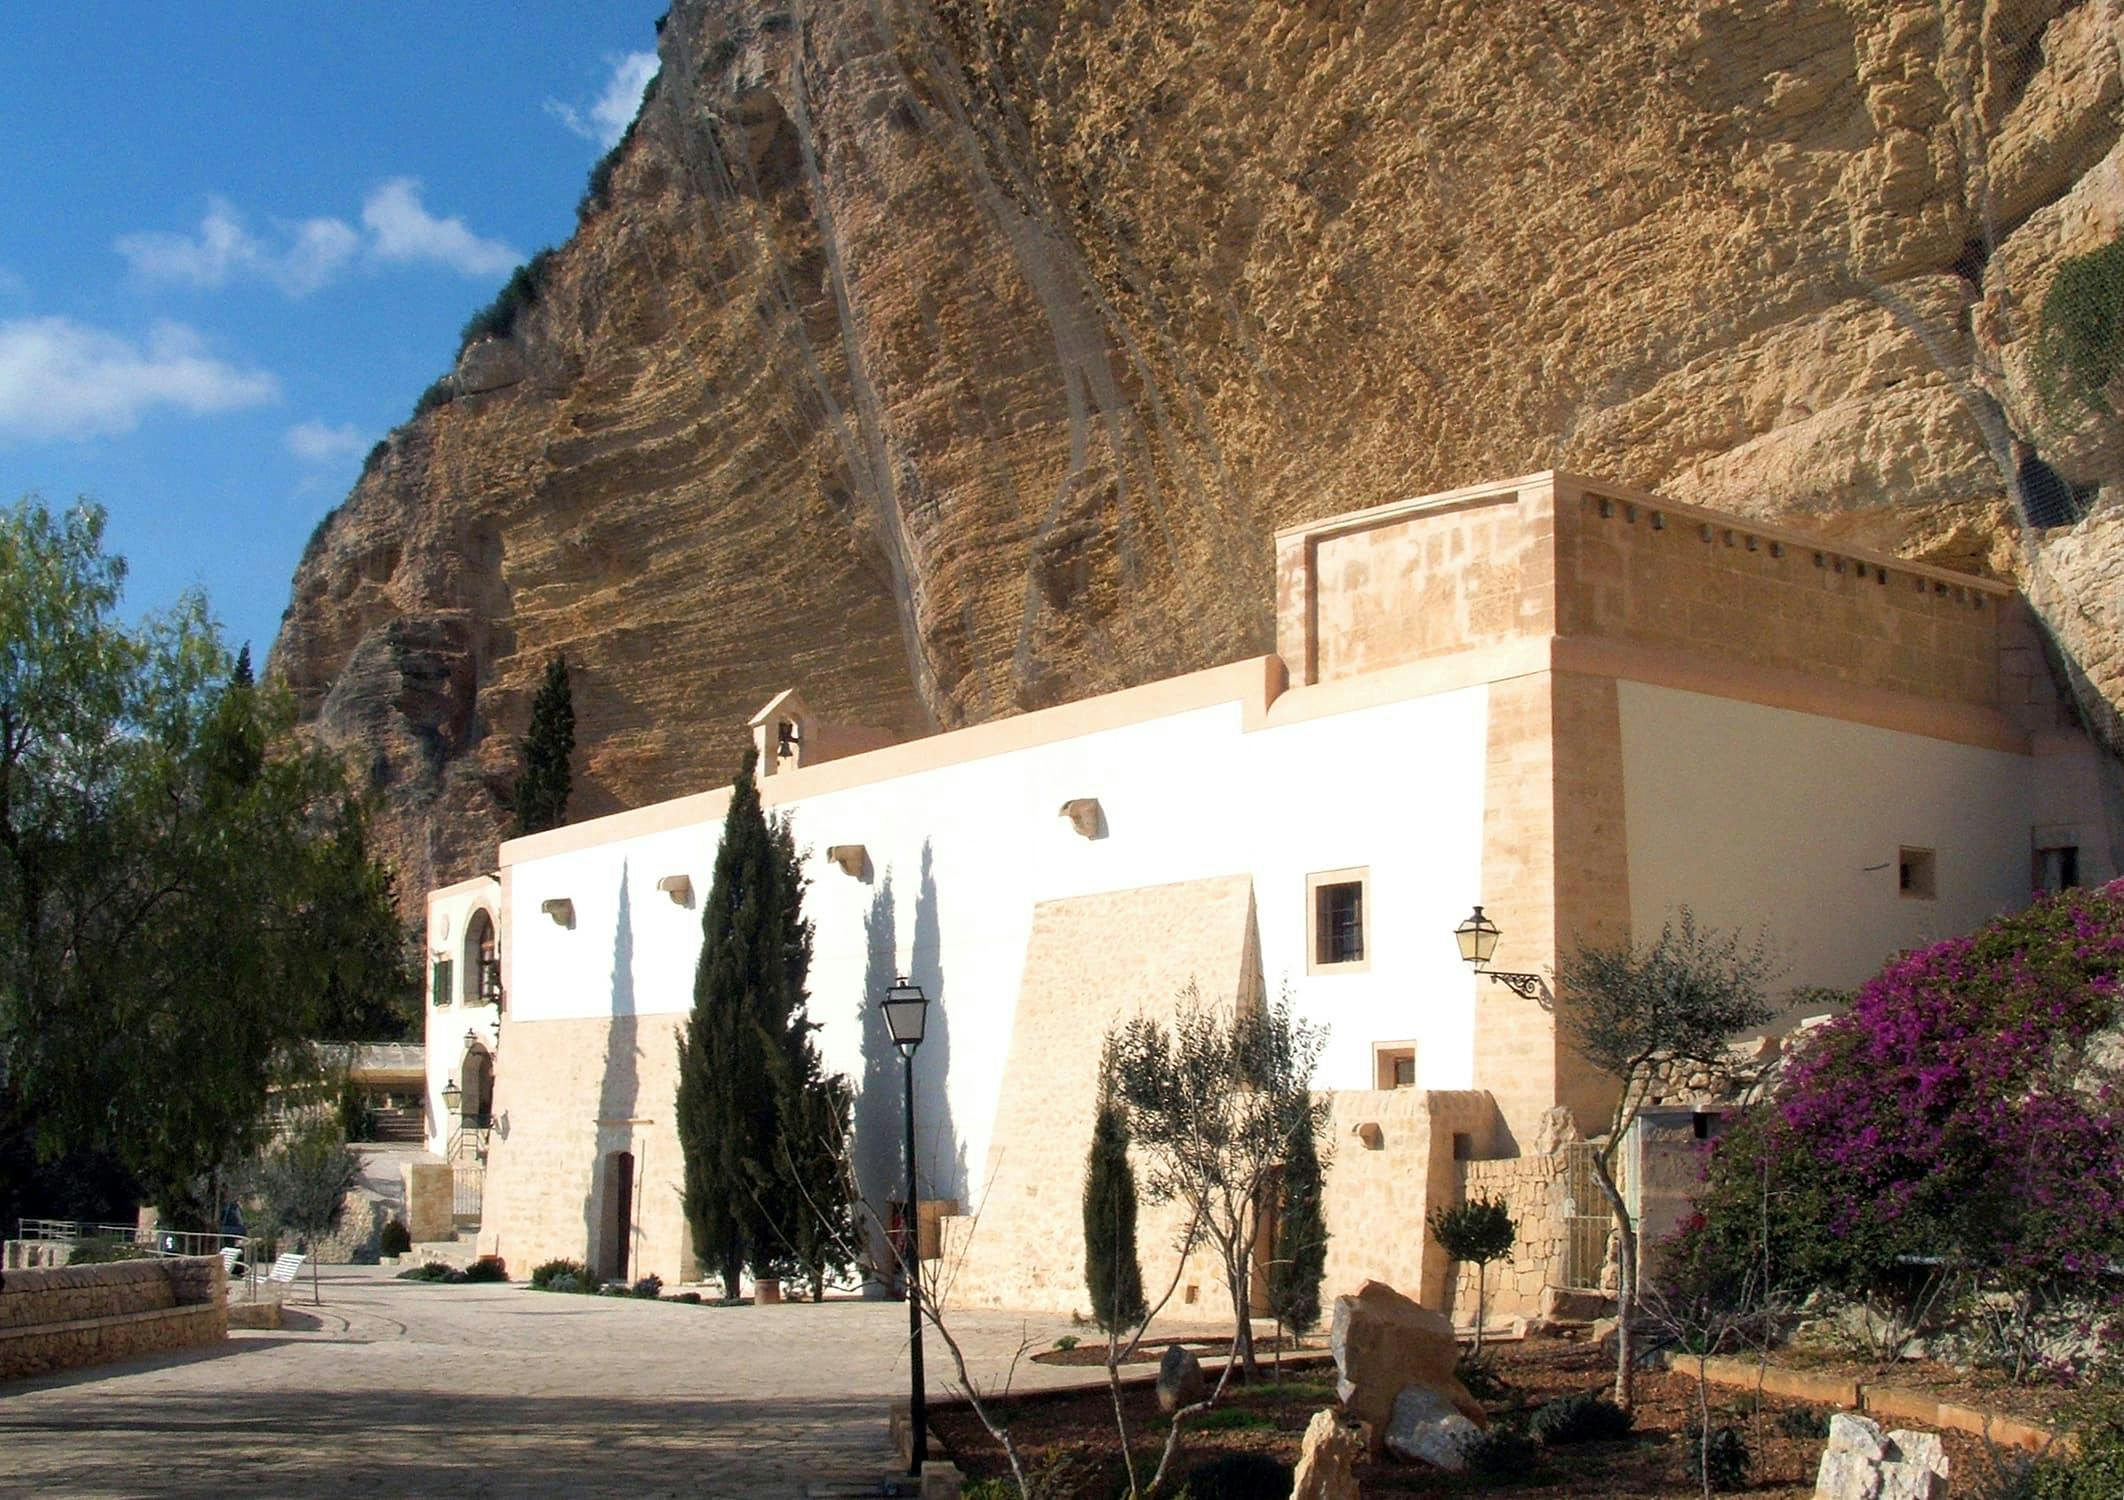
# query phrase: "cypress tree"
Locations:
[[1112, 1273], [1300, 1251], [746, 1060], [549, 744]]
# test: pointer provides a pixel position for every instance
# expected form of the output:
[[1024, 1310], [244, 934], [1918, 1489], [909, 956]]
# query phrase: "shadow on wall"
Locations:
[[875, 1119], [618, 1095], [941, 1155]]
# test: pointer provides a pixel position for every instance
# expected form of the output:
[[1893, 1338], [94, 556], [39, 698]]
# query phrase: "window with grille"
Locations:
[[1337, 902]]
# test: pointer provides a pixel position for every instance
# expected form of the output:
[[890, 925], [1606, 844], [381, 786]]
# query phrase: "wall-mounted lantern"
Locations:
[[1478, 940]]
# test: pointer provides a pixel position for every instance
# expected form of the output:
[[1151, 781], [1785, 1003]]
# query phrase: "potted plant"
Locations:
[[767, 1284]]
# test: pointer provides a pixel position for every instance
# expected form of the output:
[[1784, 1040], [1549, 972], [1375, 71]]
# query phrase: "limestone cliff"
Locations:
[[959, 357]]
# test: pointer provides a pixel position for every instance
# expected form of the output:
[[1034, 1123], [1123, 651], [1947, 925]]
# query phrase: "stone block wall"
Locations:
[[1534, 1188], [66, 1316]]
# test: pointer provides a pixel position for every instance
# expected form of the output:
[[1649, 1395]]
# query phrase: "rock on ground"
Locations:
[[1863, 1463], [1180, 1381], [1327, 1459], [1425, 1428], [1384, 1343]]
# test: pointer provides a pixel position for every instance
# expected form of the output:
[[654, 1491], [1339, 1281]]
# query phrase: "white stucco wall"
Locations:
[[1395, 788], [449, 912], [1766, 819]]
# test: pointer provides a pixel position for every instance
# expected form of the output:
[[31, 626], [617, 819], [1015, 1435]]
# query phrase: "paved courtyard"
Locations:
[[396, 1388]]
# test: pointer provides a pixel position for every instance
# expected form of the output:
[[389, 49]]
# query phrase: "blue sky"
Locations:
[[238, 239]]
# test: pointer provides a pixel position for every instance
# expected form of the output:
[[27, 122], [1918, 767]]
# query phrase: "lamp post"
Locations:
[[906, 1014], [1478, 940]]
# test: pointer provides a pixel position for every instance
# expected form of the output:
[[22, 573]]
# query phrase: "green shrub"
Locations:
[[104, 1252], [566, 1281], [396, 1239], [1728, 1460], [2080, 330], [487, 1268], [649, 1288], [434, 1270], [542, 1276], [1479, 1375], [691, 1298], [438, 393], [2094, 1471], [519, 294], [1587, 1418], [1239, 1476], [1801, 1422], [1067, 1342], [1503, 1453]]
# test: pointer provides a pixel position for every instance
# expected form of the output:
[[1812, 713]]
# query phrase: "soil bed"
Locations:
[[1092, 1351], [1069, 1438], [2034, 1402]]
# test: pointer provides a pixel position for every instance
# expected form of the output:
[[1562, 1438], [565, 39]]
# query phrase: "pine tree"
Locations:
[[1300, 1258], [1112, 1273], [549, 744]]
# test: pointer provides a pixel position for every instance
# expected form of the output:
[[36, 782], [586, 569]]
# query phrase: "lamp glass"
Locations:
[[906, 1013], [1478, 938], [452, 1096]]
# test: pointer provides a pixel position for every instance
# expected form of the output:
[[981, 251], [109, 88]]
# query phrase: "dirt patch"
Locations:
[[1092, 1352], [1070, 1438]]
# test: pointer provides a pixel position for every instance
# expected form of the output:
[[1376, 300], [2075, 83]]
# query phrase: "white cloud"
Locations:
[[305, 257], [401, 229], [607, 119], [61, 379], [316, 442]]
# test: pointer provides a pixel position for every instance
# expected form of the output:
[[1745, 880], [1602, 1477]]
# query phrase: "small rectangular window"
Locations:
[[1393, 1065], [2057, 869], [1917, 874], [1337, 921], [439, 991]]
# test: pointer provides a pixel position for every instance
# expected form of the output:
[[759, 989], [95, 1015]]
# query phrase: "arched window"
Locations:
[[483, 984]]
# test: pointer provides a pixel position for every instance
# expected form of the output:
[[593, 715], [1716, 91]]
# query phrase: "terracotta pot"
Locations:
[[766, 1289]]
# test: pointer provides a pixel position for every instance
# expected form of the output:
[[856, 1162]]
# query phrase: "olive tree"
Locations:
[[1638, 1013], [1215, 1098]]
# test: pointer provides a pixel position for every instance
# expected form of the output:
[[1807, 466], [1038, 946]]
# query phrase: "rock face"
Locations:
[[1327, 1459], [1384, 1344], [954, 360]]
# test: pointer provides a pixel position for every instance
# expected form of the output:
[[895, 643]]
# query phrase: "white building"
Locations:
[[1579, 706]]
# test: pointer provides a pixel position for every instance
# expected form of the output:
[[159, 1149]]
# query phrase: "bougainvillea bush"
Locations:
[[1962, 1125]]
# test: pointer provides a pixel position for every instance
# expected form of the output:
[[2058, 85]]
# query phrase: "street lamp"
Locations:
[[906, 1015], [1478, 940]]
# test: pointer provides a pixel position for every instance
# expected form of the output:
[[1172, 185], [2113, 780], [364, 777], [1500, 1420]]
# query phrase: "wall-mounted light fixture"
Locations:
[[1478, 940], [678, 887], [1371, 1135], [850, 857], [560, 909], [1084, 815]]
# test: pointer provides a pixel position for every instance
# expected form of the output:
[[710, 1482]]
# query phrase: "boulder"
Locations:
[[1863, 1463], [1180, 1381], [1425, 1428], [1327, 1460], [1384, 1343]]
